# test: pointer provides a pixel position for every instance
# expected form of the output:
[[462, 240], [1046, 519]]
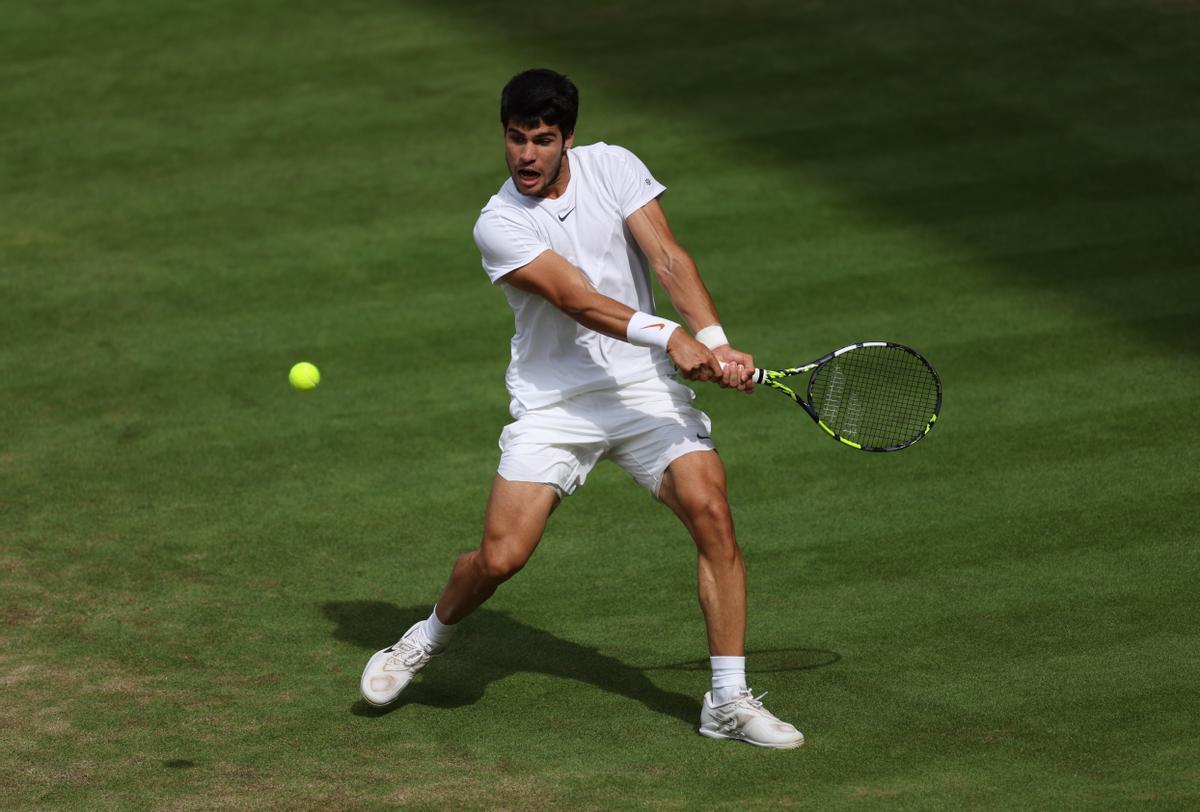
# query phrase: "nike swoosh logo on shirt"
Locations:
[[563, 217]]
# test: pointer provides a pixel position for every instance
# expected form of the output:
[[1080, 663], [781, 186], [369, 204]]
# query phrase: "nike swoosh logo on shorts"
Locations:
[[703, 436]]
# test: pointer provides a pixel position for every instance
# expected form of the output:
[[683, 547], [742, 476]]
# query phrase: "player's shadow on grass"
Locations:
[[490, 647]]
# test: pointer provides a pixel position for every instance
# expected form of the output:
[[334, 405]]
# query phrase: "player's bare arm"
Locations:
[[566, 287], [677, 272]]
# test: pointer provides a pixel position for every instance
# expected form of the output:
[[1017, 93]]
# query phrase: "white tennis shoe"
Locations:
[[390, 670], [745, 719]]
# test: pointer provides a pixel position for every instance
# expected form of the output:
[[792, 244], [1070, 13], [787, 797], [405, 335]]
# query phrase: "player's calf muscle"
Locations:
[[722, 552]]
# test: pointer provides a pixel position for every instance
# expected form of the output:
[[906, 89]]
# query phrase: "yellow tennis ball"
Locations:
[[304, 376]]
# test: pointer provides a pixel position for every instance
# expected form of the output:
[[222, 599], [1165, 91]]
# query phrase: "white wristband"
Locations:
[[647, 330], [712, 336]]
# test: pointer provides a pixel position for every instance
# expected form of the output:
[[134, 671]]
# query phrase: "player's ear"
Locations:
[[569, 141]]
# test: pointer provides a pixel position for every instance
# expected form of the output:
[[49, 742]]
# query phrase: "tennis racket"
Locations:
[[873, 395]]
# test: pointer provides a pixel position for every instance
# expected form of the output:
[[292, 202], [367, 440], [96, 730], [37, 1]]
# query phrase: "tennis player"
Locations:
[[592, 377]]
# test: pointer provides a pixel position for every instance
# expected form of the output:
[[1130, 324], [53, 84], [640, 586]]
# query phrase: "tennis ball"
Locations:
[[304, 376]]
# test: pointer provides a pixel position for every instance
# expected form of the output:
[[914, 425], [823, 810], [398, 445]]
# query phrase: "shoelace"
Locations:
[[755, 702], [750, 699], [409, 653]]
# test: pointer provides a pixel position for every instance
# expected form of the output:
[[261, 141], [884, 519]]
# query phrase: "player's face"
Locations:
[[536, 158]]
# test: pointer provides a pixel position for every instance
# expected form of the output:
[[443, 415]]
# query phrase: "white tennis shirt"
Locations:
[[555, 357]]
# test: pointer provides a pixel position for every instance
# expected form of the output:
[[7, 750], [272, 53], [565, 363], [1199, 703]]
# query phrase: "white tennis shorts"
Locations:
[[642, 427]]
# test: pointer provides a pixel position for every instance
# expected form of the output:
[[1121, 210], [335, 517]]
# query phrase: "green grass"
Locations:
[[197, 560]]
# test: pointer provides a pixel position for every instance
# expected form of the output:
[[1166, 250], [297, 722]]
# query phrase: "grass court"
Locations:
[[197, 560]]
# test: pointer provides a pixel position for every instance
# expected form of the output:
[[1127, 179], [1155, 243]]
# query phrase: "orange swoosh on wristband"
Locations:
[[659, 326]]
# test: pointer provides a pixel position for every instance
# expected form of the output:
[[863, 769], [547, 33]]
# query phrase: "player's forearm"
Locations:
[[593, 309], [681, 280], [566, 287], [598, 312]]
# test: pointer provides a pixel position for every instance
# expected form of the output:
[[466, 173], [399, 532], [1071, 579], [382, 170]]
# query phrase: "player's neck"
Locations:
[[558, 187]]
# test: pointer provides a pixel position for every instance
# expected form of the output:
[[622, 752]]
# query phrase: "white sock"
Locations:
[[728, 678], [436, 632]]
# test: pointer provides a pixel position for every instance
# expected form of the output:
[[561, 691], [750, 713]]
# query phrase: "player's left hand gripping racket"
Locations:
[[873, 396]]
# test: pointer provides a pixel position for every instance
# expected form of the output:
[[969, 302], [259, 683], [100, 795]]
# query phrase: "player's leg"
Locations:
[[666, 444], [513, 525], [693, 487]]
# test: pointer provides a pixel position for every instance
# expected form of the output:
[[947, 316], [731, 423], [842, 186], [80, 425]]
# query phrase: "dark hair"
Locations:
[[540, 95]]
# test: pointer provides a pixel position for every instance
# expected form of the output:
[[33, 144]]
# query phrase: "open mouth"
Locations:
[[528, 177]]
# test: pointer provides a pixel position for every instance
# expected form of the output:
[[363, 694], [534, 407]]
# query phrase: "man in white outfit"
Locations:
[[592, 377]]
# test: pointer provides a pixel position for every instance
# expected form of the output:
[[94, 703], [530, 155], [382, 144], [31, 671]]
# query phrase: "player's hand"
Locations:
[[695, 361], [739, 368]]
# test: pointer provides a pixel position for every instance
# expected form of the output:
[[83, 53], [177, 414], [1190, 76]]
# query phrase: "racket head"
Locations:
[[875, 395]]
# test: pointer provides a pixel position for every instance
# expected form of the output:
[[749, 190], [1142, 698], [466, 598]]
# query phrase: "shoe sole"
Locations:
[[712, 734]]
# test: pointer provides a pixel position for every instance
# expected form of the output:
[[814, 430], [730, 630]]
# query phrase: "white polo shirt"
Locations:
[[555, 357]]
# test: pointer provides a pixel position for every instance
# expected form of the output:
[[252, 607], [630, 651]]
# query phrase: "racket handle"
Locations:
[[758, 373]]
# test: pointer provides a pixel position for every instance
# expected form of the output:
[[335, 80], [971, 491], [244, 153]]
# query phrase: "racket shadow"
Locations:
[[765, 661], [489, 647]]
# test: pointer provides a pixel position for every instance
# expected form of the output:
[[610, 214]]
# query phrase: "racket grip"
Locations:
[[758, 373]]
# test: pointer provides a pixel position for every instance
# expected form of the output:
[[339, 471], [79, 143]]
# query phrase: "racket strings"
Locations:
[[878, 397]]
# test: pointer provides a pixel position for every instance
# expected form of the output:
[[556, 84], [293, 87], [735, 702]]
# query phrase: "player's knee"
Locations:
[[712, 524], [499, 562], [710, 509]]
